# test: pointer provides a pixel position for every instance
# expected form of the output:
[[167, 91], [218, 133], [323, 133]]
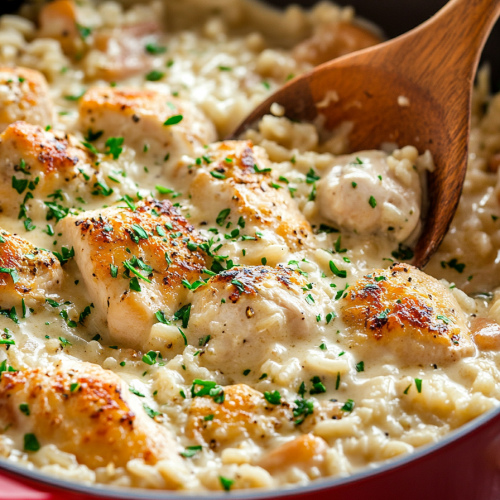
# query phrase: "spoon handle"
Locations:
[[460, 31], [449, 44]]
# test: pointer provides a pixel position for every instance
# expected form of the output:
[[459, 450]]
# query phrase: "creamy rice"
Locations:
[[341, 216]]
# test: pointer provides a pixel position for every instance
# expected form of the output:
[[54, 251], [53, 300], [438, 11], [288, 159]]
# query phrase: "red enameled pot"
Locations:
[[463, 466]]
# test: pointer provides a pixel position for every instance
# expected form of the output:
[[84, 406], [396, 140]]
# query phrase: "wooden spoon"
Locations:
[[415, 89]]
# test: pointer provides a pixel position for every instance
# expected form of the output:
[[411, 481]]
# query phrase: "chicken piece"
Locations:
[[109, 54], [26, 272], [486, 334], [238, 177], [120, 52], [38, 162], [83, 410], [408, 314], [24, 95], [139, 116], [384, 203], [243, 414], [262, 306], [332, 40], [59, 20], [305, 452], [133, 263]]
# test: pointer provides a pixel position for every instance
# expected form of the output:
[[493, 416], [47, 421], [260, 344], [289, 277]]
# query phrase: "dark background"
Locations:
[[393, 16]]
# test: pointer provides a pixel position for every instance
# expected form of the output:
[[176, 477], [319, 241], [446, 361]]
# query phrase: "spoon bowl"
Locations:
[[413, 90]]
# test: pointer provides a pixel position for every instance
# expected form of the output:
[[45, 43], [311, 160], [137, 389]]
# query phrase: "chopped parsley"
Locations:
[[183, 314], [75, 97], [164, 190], [303, 409], [140, 232], [318, 386], [239, 285], [309, 299], [31, 443], [154, 49], [311, 177], [65, 342], [135, 285], [217, 175], [261, 170], [136, 392], [453, 264], [273, 397], [102, 189], [13, 273], [207, 388], [183, 336], [93, 136], [19, 184], [348, 405], [335, 270], [226, 483], [403, 253], [150, 358], [65, 255], [223, 215], [154, 76], [372, 201], [114, 145], [174, 120], [150, 412], [160, 316], [24, 408], [191, 451], [84, 31], [330, 316], [443, 318], [85, 313]]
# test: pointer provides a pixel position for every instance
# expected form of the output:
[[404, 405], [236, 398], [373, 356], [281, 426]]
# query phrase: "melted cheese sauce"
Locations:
[[321, 408]]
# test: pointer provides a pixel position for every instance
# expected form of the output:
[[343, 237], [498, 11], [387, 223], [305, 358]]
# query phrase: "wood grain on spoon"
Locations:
[[415, 89]]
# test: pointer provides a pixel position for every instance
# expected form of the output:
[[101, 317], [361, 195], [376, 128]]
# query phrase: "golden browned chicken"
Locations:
[[247, 311], [334, 39], [237, 175], [59, 20], [106, 53], [119, 53], [238, 412], [146, 119], [83, 410], [26, 272], [407, 313], [35, 162], [133, 263], [24, 95], [304, 452], [486, 334], [244, 413]]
